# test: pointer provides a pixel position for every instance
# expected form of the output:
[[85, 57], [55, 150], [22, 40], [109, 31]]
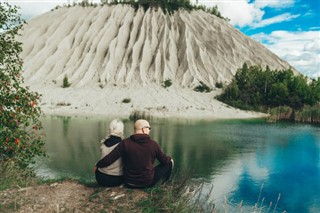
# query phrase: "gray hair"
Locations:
[[116, 128]]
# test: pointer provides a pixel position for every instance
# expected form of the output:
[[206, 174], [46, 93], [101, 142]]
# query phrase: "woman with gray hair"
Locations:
[[111, 175]]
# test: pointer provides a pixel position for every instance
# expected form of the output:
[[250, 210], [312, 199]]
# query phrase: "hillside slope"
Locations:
[[113, 53], [116, 44]]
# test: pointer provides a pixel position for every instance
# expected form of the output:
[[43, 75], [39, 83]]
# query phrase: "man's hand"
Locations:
[[94, 169], [172, 163]]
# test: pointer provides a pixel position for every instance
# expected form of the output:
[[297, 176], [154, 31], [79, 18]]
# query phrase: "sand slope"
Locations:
[[111, 52], [119, 45]]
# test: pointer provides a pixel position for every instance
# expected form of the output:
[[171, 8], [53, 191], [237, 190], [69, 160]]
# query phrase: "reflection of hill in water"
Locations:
[[116, 44], [194, 147], [73, 144]]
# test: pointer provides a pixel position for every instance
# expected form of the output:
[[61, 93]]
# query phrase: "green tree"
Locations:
[[21, 138], [279, 94], [65, 82], [315, 92], [257, 89], [232, 91], [299, 92]]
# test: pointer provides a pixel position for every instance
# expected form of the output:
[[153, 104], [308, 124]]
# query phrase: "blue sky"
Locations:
[[289, 28]]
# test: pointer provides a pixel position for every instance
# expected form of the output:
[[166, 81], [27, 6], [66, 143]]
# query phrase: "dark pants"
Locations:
[[108, 180], [161, 172]]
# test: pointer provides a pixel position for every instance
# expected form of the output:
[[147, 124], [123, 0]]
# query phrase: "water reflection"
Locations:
[[285, 166], [237, 157]]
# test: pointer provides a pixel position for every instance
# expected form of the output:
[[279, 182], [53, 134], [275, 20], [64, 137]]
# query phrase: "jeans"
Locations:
[[108, 180], [161, 172]]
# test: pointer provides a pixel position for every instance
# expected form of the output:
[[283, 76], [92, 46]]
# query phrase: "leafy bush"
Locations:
[[212, 10], [12, 176], [65, 83], [167, 83], [202, 88], [126, 100], [21, 138], [181, 194], [219, 85], [167, 6]]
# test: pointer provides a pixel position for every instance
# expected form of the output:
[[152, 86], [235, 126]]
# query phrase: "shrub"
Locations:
[[20, 137], [182, 194], [63, 104], [167, 83], [12, 176], [84, 3], [65, 83], [219, 85], [137, 114], [202, 88], [126, 100]]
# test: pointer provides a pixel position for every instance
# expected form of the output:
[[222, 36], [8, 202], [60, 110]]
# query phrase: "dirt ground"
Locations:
[[70, 196]]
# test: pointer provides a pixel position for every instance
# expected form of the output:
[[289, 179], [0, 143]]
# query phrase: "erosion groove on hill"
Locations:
[[118, 45]]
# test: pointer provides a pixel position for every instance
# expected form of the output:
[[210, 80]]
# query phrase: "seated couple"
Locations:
[[131, 161]]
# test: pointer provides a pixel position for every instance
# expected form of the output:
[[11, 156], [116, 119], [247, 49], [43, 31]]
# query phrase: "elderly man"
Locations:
[[138, 154]]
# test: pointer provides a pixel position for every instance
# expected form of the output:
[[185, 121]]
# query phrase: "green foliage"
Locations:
[[202, 88], [12, 175], [126, 100], [167, 83], [65, 83], [167, 6], [219, 85], [212, 10], [254, 88], [309, 114], [177, 197], [84, 3], [20, 128]]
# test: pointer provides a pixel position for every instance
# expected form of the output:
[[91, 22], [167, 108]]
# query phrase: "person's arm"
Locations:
[[114, 155], [162, 158]]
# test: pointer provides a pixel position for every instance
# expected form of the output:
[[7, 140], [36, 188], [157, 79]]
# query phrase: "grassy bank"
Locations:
[[14, 177], [21, 191], [308, 114]]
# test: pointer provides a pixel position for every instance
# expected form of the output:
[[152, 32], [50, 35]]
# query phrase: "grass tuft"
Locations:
[[14, 177]]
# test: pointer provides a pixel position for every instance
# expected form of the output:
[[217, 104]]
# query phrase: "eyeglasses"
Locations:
[[147, 127]]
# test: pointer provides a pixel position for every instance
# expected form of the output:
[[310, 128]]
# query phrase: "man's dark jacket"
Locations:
[[138, 154]]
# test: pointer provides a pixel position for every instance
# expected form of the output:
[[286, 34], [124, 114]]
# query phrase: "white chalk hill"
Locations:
[[110, 45]]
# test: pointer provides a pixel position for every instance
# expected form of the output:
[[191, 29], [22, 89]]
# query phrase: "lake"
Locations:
[[276, 165]]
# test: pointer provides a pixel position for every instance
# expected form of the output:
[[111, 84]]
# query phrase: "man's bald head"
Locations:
[[142, 126]]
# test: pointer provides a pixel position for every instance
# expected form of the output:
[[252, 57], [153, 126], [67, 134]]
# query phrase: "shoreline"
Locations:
[[153, 101], [199, 117]]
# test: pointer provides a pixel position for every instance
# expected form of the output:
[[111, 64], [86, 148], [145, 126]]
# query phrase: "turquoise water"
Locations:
[[276, 166]]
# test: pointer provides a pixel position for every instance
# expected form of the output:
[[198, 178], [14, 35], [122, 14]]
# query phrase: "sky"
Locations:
[[289, 28]]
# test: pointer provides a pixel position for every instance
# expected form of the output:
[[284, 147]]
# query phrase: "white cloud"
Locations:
[[31, 8], [300, 49], [244, 13], [274, 3], [240, 12], [276, 19]]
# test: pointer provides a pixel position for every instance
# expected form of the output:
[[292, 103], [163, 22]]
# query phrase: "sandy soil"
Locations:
[[152, 100], [69, 196]]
